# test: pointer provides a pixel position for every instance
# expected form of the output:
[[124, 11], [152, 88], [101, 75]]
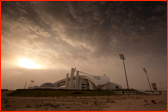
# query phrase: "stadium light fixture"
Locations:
[[122, 56]]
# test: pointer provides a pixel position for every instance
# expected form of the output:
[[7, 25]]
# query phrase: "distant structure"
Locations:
[[154, 87], [31, 84], [82, 81]]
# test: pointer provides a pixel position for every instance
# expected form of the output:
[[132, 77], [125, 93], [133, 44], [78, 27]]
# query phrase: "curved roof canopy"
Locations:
[[97, 80]]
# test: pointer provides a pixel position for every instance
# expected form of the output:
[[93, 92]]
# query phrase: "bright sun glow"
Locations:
[[26, 63]]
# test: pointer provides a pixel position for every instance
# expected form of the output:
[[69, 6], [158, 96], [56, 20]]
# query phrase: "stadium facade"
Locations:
[[82, 81]]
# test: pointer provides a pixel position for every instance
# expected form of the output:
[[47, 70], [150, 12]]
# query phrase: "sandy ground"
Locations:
[[96, 103]]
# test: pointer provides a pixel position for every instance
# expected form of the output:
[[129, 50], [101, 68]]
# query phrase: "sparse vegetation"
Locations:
[[57, 93], [49, 104], [95, 102], [36, 106], [38, 94], [28, 106], [6, 106], [54, 105]]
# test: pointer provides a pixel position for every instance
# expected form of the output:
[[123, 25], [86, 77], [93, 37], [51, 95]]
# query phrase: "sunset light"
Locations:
[[26, 63]]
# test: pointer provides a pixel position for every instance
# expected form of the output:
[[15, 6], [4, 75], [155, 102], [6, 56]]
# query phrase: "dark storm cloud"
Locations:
[[94, 24], [87, 34]]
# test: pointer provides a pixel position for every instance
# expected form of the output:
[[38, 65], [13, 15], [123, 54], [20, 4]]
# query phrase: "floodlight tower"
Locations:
[[123, 58], [147, 77]]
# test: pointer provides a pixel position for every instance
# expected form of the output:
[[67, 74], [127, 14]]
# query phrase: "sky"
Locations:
[[42, 41]]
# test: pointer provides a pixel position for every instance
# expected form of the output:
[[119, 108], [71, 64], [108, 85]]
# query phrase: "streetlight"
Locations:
[[147, 77], [123, 58]]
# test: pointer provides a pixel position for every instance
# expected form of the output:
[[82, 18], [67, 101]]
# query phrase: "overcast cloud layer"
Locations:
[[86, 35]]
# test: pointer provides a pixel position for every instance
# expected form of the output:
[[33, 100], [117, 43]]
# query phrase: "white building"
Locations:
[[81, 82]]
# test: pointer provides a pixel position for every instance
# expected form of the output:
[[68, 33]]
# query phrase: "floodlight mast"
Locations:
[[147, 77], [123, 58]]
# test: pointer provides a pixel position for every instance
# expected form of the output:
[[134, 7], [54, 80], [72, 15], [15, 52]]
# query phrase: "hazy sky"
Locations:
[[56, 36]]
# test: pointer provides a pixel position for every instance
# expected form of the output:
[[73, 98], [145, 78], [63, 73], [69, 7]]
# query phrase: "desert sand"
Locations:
[[96, 103]]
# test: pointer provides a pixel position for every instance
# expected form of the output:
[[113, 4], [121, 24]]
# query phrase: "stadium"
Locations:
[[82, 81]]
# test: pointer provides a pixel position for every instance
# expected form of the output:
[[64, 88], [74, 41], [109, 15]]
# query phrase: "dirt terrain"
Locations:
[[87, 103]]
